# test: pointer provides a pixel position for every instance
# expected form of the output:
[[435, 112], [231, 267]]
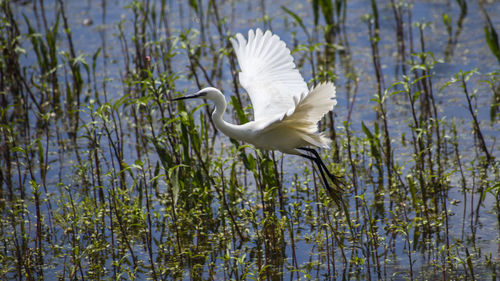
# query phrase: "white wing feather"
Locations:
[[308, 111], [268, 74]]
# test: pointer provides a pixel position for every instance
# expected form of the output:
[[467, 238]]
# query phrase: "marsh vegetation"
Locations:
[[102, 176]]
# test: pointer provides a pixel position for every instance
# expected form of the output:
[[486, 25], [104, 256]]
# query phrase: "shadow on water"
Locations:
[[103, 176]]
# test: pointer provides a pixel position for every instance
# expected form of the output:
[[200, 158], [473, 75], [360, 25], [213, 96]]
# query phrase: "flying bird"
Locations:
[[286, 112]]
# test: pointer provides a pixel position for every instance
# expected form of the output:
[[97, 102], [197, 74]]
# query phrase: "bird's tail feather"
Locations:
[[316, 139]]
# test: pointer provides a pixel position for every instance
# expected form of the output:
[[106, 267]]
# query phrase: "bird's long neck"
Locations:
[[231, 130]]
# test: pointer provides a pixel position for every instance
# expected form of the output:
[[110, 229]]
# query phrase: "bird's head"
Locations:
[[207, 93]]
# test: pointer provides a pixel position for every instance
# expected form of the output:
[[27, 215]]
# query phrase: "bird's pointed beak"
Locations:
[[191, 96]]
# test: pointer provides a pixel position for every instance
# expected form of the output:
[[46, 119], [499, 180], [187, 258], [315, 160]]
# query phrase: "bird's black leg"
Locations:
[[332, 177], [322, 173]]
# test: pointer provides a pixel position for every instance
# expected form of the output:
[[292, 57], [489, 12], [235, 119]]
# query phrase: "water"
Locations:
[[115, 68]]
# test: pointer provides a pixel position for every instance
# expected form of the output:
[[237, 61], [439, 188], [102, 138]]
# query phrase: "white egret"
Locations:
[[286, 112]]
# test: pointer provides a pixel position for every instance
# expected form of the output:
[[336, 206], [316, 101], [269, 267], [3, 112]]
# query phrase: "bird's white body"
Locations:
[[254, 132], [282, 132], [286, 112]]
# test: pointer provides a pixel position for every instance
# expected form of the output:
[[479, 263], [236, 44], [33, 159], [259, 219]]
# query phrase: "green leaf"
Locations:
[[194, 5], [416, 96], [315, 4], [161, 150], [373, 141], [298, 20], [447, 22], [327, 8], [492, 40], [250, 163], [240, 113], [173, 174], [413, 191], [18, 149], [366, 131]]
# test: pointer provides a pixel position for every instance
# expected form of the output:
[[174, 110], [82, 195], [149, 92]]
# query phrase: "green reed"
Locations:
[[108, 178]]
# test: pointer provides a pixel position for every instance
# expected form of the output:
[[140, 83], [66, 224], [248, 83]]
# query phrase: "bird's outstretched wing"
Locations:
[[308, 110], [268, 74]]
